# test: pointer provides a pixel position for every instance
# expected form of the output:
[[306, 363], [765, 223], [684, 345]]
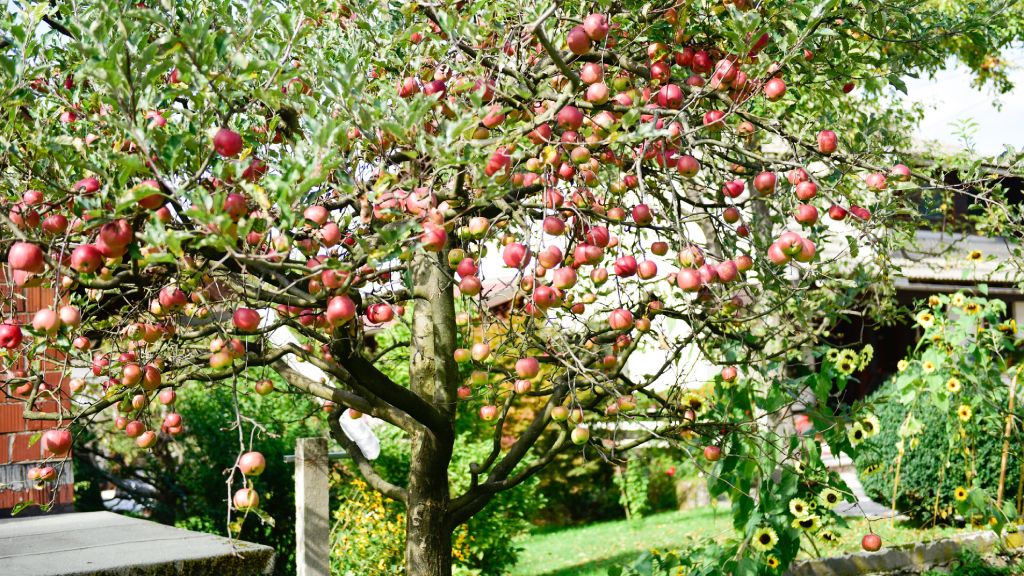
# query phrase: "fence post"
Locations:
[[312, 529]]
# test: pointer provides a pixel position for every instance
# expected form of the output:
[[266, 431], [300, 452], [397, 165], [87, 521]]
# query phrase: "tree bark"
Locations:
[[428, 545], [433, 376]]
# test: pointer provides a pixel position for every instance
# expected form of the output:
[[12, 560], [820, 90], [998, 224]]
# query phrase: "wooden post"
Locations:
[[312, 529], [1006, 441]]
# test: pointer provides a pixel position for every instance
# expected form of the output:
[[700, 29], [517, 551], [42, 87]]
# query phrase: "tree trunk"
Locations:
[[433, 376], [428, 544]]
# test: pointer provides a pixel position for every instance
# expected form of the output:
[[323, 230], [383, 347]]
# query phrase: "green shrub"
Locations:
[[922, 477], [369, 531], [970, 563]]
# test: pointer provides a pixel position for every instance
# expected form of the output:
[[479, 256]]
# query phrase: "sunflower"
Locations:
[[828, 536], [846, 367], [832, 355], [958, 299], [856, 434], [928, 366], [964, 412], [925, 319], [871, 425], [872, 469], [972, 308], [830, 498], [772, 562], [902, 365], [975, 255], [1010, 326], [960, 493], [807, 524], [953, 385], [765, 539], [865, 356], [694, 402], [798, 507], [934, 301]]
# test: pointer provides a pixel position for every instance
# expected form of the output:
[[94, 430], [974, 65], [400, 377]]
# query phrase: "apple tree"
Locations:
[[527, 194]]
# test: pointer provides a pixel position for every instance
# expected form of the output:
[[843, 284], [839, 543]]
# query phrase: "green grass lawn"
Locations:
[[590, 550]]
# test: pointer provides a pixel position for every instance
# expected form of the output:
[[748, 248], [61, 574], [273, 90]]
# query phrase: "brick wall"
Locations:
[[17, 451]]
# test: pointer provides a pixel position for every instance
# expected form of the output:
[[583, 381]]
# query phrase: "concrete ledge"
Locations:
[[106, 544], [912, 556]]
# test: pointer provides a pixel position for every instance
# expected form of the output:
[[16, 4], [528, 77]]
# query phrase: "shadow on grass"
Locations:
[[596, 566]]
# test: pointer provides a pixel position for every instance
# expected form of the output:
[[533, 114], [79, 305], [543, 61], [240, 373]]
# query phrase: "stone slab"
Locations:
[[916, 556], [107, 544]]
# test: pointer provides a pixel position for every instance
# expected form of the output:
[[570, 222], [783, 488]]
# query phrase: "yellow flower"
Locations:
[[865, 356], [964, 412], [972, 308], [832, 355], [830, 498], [1010, 326], [871, 425], [953, 385], [798, 507], [960, 493], [928, 366], [925, 319], [765, 539], [856, 434], [772, 562], [958, 299], [934, 301], [975, 255], [828, 536], [902, 365], [808, 524], [872, 469]]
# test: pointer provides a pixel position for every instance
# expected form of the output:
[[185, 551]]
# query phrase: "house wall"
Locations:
[[20, 448]]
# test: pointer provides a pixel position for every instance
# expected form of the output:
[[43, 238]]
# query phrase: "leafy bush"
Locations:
[[970, 563], [368, 535], [927, 493]]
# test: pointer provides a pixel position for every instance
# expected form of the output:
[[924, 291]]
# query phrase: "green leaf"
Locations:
[[21, 506]]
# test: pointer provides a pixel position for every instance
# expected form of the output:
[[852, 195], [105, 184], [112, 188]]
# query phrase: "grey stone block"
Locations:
[[106, 544]]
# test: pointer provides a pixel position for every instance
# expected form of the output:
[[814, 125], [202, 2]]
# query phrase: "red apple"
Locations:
[[516, 255], [86, 259], [527, 367], [712, 453], [596, 26], [775, 89], [806, 190], [246, 499], [806, 214], [57, 442], [340, 309], [578, 41], [10, 335], [836, 212], [246, 319], [827, 142], [26, 257], [488, 412], [871, 542], [620, 319], [227, 143], [252, 463], [764, 183], [264, 386]]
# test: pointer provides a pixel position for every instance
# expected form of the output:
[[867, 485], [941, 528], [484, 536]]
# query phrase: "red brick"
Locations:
[[5, 448], [22, 452], [10, 419]]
